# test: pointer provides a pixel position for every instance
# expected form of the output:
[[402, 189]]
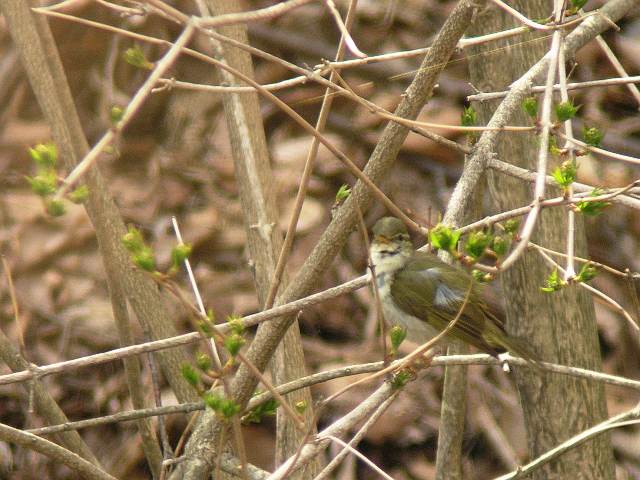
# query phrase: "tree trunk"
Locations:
[[561, 326]]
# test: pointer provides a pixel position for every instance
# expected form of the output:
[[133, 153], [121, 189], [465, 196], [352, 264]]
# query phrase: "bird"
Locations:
[[422, 294]]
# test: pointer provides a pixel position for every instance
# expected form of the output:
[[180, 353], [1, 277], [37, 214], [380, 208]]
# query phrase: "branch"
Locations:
[[631, 417], [56, 452]]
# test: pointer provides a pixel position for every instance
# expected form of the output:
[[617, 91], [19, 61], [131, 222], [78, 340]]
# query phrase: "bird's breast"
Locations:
[[418, 331]]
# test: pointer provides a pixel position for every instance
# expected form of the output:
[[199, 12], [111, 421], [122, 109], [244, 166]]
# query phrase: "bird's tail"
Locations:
[[514, 346]]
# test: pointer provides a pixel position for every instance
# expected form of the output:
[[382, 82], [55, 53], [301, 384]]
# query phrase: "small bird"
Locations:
[[423, 294]]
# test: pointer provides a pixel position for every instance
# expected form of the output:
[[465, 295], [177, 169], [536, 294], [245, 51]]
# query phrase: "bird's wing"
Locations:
[[429, 274]]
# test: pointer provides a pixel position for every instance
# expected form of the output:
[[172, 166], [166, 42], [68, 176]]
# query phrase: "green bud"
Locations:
[[397, 335], [469, 117], [500, 245], [212, 401], [207, 327], [190, 374], [233, 343], [530, 106], [401, 378], [45, 155], [135, 56], [267, 409], [480, 276], [44, 184], [511, 226], [592, 136], [566, 111], [565, 174], [145, 259], [443, 238], [553, 146], [343, 193], [553, 283], [587, 272], [577, 4], [56, 208], [477, 243], [592, 209], [229, 408], [115, 114], [203, 361], [543, 20], [180, 253], [301, 406], [236, 324], [80, 194], [132, 240]]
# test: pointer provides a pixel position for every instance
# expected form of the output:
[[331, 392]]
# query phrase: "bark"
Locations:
[[264, 240], [561, 327]]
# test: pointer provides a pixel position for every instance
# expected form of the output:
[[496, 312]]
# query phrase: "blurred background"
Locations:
[[175, 159]]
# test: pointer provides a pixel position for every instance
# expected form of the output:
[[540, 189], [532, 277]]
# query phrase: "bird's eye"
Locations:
[[401, 236]]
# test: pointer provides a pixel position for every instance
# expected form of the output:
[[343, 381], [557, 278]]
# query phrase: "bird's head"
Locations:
[[390, 237]]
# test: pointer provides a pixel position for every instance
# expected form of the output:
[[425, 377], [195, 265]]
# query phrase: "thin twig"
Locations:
[[482, 97], [631, 417], [132, 108], [57, 453], [335, 461], [595, 291], [543, 154]]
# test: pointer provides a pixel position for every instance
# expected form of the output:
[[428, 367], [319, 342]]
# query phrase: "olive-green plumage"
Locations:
[[424, 294]]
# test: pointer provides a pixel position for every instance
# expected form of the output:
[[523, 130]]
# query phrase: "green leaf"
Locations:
[[401, 378], [530, 106], [115, 114], [145, 259], [212, 400], [44, 184], [592, 136], [566, 111], [301, 406], [480, 276], [592, 209], [469, 117], [587, 272], [565, 174], [45, 155], [477, 243], [203, 361], [56, 208], [233, 343], [511, 226], [343, 193], [397, 334], [228, 408], [443, 238], [79, 195], [135, 56], [267, 409], [553, 283], [190, 374], [500, 245], [578, 4], [180, 253], [553, 146], [132, 240], [236, 324]]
